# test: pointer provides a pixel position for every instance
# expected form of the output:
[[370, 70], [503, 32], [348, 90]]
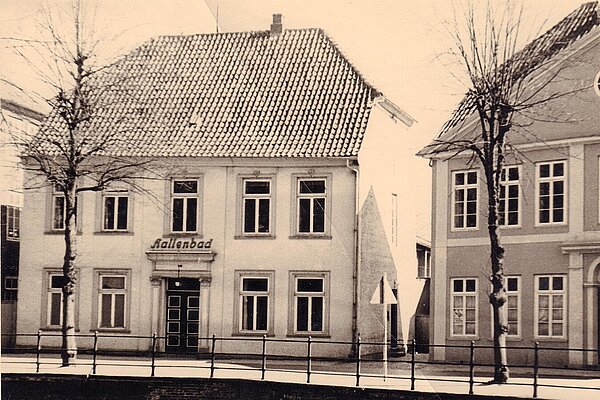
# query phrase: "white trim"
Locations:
[[551, 179], [439, 285], [464, 294], [466, 186], [256, 198], [117, 194], [513, 239], [597, 84], [241, 293], [564, 293], [506, 183]]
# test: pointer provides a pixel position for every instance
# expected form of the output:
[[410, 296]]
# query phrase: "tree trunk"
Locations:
[[498, 297], [69, 345]]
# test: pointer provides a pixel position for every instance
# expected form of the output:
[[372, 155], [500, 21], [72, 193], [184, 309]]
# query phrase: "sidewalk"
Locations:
[[429, 378]]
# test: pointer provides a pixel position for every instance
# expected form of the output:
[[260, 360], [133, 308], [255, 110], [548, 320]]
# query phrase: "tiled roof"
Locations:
[[250, 94], [559, 37]]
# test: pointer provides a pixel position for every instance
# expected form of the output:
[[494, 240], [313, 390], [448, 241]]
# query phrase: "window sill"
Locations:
[[308, 236], [311, 335], [245, 237], [57, 232], [465, 337], [9, 239], [182, 234], [54, 329], [253, 334], [111, 330], [551, 339], [113, 233]]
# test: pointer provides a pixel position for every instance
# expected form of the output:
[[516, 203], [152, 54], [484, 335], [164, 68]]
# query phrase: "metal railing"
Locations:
[[356, 365]]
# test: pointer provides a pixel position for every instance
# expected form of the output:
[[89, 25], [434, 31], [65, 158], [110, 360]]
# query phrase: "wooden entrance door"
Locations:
[[183, 315]]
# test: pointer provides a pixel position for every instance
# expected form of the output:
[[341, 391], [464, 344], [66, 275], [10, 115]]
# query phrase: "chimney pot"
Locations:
[[276, 26]]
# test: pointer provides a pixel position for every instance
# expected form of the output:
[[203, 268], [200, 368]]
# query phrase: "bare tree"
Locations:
[[72, 151], [508, 89]]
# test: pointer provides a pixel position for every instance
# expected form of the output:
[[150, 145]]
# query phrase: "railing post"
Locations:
[[358, 360], [153, 363], [264, 358], [535, 368], [471, 366], [38, 351], [95, 352], [412, 364], [212, 355], [308, 360]]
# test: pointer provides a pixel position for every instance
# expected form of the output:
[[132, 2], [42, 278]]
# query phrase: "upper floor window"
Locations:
[[115, 211], [59, 208], [184, 205], [13, 217], [551, 186], [311, 197], [508, 207], [464, 307], [464, 194], [256, 213], [550, 306]]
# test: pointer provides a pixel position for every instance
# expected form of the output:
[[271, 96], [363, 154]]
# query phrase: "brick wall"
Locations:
[[51, 387]]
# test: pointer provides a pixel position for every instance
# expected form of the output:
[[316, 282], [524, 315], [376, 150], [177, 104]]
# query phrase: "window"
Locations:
[[58, 209], [9, 289], [551, 192], [464, 307], [423, 262], [513, 306], [115, 207], [464, 199], [508, 207], [54, 313], [254, 304], [256, 207], [184, 206], [311, 206], [112, 301], [310, 304], [394, 219], [13, 216], [550, 306]]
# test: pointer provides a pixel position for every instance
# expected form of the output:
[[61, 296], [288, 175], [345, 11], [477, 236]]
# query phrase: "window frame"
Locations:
[[509, 293], [171, 195], [47, 273], [115, 193], [239, 294], [294, 294], [97, 299], [12, 221], [551, 293], [296, 196], [465, 187], [242, 196], [13, 290], [464, 294], [551, 180], [55, 195], [506, 182]]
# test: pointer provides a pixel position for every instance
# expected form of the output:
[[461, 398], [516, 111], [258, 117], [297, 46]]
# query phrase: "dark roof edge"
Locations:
[[21, 110]]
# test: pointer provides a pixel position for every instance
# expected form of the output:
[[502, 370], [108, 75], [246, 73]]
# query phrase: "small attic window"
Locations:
[[597, 84]]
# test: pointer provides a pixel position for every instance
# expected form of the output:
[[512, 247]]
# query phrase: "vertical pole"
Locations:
[[308, 360], [394, 349], [535, 368], [212, 356], [95, 352], [358, 360], [264, 358], [153, 363], [412, 364], [38, 351], [385, 344], [471, 367]]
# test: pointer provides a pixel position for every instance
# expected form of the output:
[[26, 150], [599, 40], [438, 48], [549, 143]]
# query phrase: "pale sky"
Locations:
[[394, 43]]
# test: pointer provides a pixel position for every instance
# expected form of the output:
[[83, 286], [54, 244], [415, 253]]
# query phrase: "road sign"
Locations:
[[383, 293]]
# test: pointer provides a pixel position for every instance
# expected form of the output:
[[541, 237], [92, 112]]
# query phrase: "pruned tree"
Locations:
[[73, 151], [508, 90]]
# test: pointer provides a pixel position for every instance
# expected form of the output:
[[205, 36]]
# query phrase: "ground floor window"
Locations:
[[310, 303], [254, 307], [54, 314], [9, 288], [112, 300], [464, 307], [550, 305]]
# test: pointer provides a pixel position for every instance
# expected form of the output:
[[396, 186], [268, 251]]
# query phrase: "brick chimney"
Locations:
[[276, 26]]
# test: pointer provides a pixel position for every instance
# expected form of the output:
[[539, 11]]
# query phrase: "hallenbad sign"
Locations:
[[181, 243]]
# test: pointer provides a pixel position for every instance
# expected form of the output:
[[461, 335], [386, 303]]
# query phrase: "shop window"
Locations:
[[464, 307], [465, 198], [310, 303], [509, 205], [13, 220], [551, 189], [550, 306], [256, 207], [115, 211], [184, 205]]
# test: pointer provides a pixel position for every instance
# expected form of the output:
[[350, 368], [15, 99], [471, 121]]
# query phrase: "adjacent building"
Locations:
[[20, 114], [282, 205], [549, 213]]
